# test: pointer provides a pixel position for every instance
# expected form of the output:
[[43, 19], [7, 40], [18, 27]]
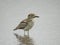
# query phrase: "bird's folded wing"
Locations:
[[22, 25]]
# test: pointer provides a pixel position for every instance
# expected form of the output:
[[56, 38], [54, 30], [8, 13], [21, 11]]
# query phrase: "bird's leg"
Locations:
[[28, 32], [24, 32]]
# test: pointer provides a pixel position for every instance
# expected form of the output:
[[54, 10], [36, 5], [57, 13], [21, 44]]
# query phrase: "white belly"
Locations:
[[29, 26]]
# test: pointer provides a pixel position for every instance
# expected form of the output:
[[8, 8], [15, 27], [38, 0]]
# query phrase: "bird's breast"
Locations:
[[29, 26]]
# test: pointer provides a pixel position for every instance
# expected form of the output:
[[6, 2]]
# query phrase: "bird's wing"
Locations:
[[22, 25]]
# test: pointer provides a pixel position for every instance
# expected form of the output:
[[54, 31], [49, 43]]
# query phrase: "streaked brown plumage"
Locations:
[[26, 24]]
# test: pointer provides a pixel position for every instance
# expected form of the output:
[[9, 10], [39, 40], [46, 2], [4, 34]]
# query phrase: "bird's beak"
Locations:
[[36, 17]]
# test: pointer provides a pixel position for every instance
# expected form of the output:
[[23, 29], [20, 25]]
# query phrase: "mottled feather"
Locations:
[[22, 25]]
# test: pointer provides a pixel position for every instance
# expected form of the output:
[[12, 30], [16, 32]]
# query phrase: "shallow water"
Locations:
[[46, 30]]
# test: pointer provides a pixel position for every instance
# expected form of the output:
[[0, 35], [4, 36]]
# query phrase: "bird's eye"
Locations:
[[29, 15]]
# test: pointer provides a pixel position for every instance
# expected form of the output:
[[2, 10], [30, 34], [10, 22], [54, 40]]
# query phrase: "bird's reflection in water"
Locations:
[[24, 40]]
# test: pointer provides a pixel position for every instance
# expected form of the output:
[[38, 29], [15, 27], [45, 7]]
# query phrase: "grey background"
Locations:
[[46, 30]]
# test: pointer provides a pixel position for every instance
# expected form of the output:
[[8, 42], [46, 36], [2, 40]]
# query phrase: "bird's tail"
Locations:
[[14, 29]]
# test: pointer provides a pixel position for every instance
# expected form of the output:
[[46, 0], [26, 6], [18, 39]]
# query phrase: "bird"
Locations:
[[27, 23]]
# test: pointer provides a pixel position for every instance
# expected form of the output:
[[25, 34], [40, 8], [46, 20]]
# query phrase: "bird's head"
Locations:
[[31, 16]]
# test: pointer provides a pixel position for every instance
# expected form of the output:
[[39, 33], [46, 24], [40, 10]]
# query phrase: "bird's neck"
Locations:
[[29, 19]]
